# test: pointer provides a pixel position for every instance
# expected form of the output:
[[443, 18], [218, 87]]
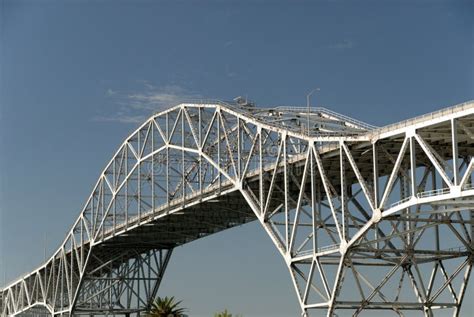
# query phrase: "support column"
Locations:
[[454, 140], [131, 286]]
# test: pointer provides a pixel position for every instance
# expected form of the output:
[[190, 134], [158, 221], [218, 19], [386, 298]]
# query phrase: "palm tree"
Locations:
[[166, 307], [225, 313]]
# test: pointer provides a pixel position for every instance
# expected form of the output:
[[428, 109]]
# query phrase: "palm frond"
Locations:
[[166, 307]]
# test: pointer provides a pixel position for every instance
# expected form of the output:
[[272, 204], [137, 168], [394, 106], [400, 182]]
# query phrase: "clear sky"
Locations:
[[78, 76]]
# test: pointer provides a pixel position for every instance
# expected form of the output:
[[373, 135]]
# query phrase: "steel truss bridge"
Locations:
[[365, 218]]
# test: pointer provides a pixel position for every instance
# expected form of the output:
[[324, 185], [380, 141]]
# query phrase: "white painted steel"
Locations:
[[358, 213]]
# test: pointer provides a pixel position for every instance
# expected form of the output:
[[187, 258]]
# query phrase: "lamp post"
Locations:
[[308, 105]]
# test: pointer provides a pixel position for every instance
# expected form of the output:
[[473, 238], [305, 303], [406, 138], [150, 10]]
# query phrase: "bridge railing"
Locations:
[[432, 115]]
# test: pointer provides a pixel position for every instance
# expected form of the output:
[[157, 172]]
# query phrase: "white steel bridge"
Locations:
[[365, 218]]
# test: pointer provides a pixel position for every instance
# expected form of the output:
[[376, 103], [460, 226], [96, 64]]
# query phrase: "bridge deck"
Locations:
[[225, 202]]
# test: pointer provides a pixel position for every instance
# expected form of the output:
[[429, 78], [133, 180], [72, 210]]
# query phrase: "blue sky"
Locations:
[[76, 77]]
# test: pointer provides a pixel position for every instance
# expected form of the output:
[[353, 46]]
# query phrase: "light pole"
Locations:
[[308, 105]]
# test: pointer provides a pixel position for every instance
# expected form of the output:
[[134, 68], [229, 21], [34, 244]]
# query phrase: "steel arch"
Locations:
[[326, 194]]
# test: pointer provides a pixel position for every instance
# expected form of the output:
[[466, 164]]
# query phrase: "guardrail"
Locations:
[[468, 186], [330, 247], [330, 113], [429, 193], [434, 192], [404, 200], [455, 249], [326, 248], [346, 118], [435, 114]]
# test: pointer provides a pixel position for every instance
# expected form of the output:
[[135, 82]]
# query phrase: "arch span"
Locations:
[[364, 217]]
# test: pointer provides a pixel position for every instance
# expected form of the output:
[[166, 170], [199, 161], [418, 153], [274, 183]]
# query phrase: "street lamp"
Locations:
[[308, 105]]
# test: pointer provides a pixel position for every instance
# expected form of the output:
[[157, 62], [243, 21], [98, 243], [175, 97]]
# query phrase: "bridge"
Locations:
[[365, 218]]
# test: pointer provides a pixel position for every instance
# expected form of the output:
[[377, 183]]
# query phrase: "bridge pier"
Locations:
[[335, 238], [128, 284]]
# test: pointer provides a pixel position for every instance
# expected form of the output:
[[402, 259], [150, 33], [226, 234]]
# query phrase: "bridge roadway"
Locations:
[[323, 195]]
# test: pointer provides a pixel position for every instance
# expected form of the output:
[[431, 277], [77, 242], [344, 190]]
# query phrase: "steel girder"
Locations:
[[364, 218]]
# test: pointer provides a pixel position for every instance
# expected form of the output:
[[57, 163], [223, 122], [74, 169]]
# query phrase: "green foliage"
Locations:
[[166, 307], [225, 313]]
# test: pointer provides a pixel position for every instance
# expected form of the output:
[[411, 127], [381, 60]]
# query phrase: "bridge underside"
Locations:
[[364, 219]]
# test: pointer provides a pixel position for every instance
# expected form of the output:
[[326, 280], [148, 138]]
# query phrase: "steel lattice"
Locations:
[[364, 217]]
